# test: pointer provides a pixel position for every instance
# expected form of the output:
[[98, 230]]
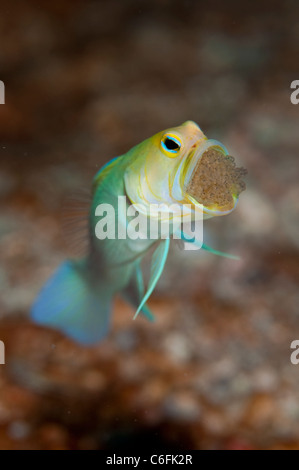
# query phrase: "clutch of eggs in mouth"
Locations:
[[216, 181]]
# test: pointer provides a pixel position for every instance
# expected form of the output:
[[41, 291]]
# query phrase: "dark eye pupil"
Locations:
[[171, 144]]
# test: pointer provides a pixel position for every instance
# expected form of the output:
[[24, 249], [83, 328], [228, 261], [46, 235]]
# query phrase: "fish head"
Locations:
[[181, 165]]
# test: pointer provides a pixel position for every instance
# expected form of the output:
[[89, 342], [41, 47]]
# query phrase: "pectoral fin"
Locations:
[[186, 239], [158, 262], [219, 253]]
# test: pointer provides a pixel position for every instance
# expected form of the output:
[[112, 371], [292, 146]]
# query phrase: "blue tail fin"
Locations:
[[69, 303]]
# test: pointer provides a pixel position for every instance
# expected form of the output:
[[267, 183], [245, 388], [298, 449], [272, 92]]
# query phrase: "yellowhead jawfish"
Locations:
[[179, 168]]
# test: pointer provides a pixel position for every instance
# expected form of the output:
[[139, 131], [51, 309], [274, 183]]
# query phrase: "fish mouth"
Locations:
[[212, 179]]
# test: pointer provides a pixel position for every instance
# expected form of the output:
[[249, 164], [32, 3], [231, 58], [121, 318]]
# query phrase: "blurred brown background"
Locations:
[[85, 81]]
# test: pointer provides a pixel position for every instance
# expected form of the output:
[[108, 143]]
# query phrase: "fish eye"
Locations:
[[171, 144]]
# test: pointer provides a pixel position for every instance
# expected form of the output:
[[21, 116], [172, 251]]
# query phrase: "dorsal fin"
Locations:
[[74, 221]]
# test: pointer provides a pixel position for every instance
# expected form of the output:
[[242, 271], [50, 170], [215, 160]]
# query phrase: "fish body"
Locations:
[[163, 171]]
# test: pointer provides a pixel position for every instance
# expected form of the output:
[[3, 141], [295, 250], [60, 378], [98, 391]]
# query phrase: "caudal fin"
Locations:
[[69, 303]]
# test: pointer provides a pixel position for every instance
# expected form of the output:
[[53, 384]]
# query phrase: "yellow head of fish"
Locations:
[[182, 166]]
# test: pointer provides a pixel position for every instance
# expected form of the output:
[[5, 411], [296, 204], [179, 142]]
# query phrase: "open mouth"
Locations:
[[215, 181]]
